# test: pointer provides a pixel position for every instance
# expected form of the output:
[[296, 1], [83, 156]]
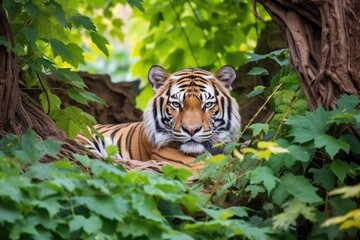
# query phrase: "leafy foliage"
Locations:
[[285, 174], [181, 34], [352, 218], [49, 39], [278, 185], [59, 200]]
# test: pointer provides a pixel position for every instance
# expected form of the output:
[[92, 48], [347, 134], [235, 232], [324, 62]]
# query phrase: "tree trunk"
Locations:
[[323, 39], [17, 112]]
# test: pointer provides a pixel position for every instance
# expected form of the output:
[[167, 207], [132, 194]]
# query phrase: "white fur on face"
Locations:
[[161, 135]]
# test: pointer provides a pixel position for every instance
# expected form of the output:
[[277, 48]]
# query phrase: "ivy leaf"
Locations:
[[254, 190], [9, 214], [257, 91], [299, 153], [348, 102], [343, 118], [340, 169], [279, 194], [259, 127], [175, 235], [31, 149], [300, 188], [293, 209], [176, 173], [90, 225], [324, 176], [147, 208], [51, 205], [263, 175], [331, 144], [100, 42], [308, 127], [111, 208], [258, 71]]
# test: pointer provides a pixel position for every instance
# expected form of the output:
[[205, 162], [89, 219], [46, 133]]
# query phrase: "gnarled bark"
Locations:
[[17, 112], [323, 38]]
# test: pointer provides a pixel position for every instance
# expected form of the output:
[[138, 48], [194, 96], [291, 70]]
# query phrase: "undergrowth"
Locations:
[[285, 184]]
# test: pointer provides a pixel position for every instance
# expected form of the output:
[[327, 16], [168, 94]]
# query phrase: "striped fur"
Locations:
[[191, 111]]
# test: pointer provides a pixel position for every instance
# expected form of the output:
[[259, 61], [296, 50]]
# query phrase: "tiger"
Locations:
[[191, 111]]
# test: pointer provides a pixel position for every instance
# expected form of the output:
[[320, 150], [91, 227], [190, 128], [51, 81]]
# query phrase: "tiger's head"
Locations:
[[192, 109]]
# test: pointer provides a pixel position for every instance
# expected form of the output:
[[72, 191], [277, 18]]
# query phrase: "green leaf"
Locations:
[[324, 177], [31, 34], [49, 102], [254, 190], [21, 227], [59, 14], [176, 173], [73, 120], [90, 225], [343, 118], [147, 208], [112, 150], [257, 91], [293, 209], [175, 235], [300, 188], [137, 3], [258, 71], [71, 77], [77, 96], [340, 169], [331, 144], [259, 127], [84, 21], [111, 208], [32, 10], [100, 42], [263, 175], [32, 150], [9, 214], [308, 127], [60, 49], [77, 54], [353, 141], [50, 204], [279, 194], [299, 153], [348, 102]]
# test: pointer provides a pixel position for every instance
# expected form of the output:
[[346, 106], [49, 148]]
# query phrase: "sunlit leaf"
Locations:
[[100, 42], [293, 209], [348, 191], [300, 188]]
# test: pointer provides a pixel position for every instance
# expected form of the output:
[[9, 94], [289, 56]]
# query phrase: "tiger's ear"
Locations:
[[227, 75], [157, 75]]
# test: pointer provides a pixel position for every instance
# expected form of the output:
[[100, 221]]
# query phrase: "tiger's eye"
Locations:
[[176, 104], [209, 104]]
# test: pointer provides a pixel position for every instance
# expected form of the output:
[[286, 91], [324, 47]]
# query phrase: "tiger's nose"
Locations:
[[191, 130]]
